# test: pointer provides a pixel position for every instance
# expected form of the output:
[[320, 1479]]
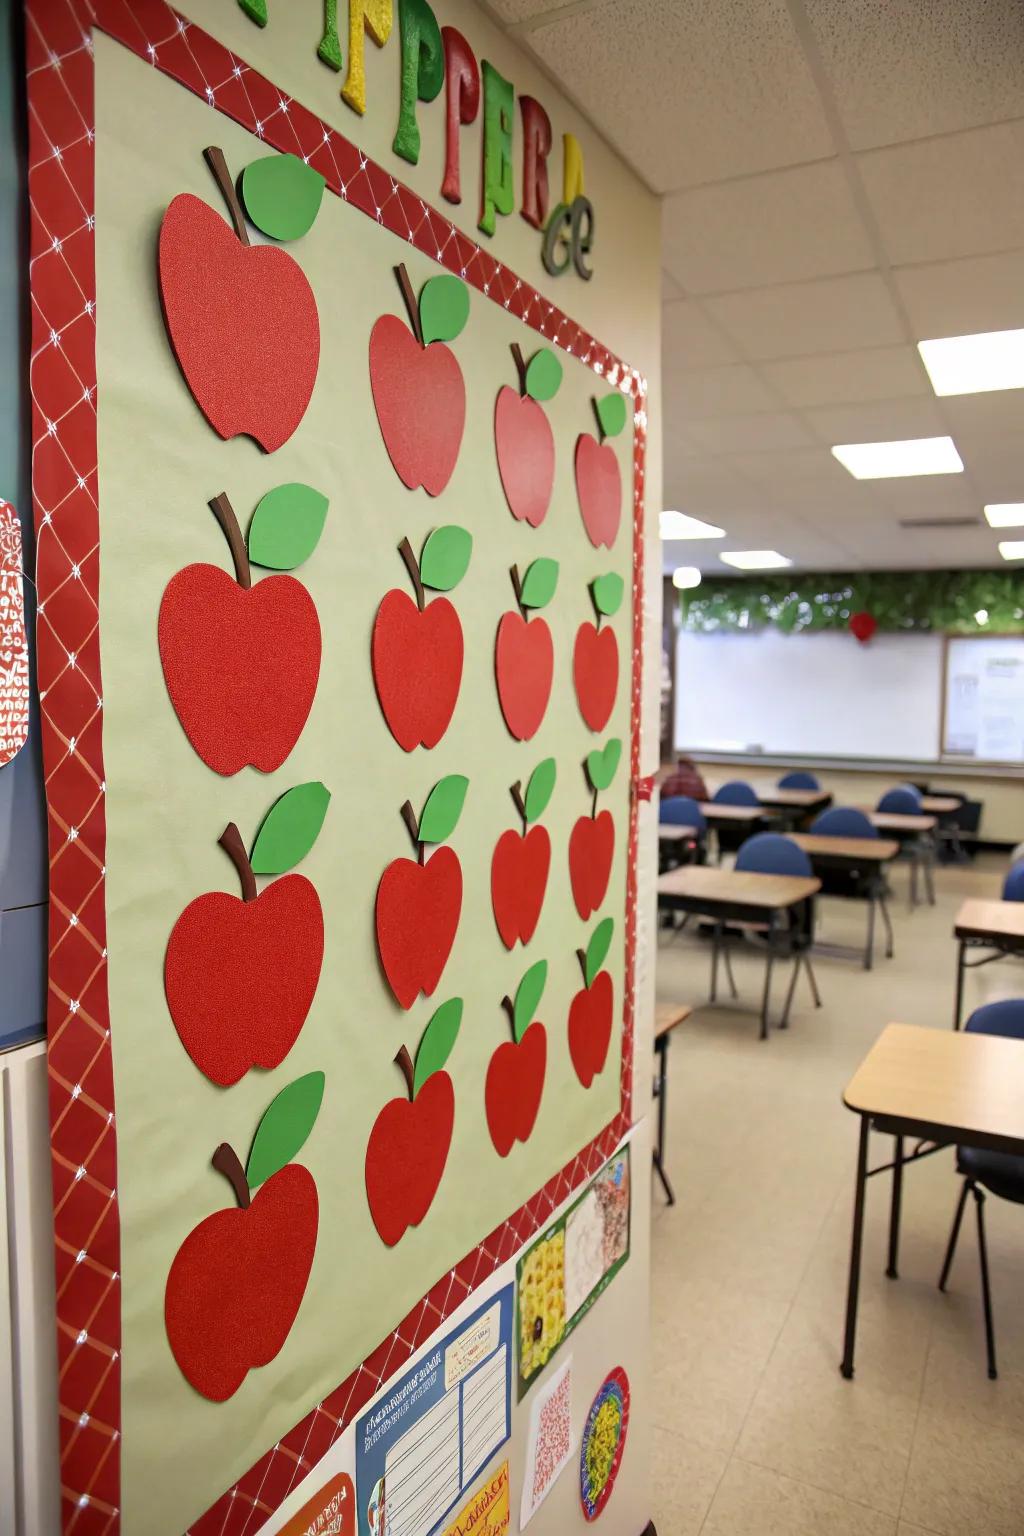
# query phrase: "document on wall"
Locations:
[[549, 1445], [422, 1445]]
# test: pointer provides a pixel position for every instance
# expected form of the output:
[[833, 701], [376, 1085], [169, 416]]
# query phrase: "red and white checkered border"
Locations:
[[59, 65]]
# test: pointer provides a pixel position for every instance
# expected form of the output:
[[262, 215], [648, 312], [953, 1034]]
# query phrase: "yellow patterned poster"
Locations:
[[487, 1512]]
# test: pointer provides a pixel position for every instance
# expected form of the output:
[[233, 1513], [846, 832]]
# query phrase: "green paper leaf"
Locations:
[[603, 763], [445, 558], [286, 526], [436, 1044], [611, 413], [539, 789], [282, 195], [600, 941], [444, 308], [443, 808], [286, 1123], [543, 375], [528, 996], [608, 593], [290, 828], [539, 583]]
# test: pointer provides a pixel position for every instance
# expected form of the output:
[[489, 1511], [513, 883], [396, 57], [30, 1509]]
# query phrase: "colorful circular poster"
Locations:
[[604, 1439]]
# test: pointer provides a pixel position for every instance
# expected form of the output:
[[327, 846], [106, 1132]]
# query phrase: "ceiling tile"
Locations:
[[825, 501], [689, 92], [781, 227], [879, 421], [790, 466], [997, 468], [927, 496], [726, 434], [957, 196], [881, 373], [920, 67], [960, 298], [886, 546], [734, 391], [838, 314], [997, 413], [690, 340]]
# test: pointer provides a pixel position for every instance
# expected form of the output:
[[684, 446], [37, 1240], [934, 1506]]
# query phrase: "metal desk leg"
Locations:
[[869, 946], [856, 1238], [661, 1046], [961, 950], [769, 962], [894, 1211]]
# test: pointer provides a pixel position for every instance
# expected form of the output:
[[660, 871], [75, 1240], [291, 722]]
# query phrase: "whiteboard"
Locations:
[[984, 715], [812, 695]]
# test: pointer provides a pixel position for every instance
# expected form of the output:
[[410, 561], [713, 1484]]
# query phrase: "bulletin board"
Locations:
[[346, 785]]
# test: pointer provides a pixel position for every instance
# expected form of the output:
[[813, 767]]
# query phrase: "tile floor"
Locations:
[[756, 1433]]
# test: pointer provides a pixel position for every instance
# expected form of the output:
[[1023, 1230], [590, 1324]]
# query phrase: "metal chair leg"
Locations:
[[986, 1291], [715, 938], [883, 907], [805, 957], [727, 957], [947, 1262], [869, 942], [784, 1021]]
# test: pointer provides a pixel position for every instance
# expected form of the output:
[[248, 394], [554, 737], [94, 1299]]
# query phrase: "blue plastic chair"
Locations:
[[852, 884], [736, 792], [844, 821], [798, 779], [1013, 885], [905, 800], [681, 811], [1001, 1173], [772, 853]]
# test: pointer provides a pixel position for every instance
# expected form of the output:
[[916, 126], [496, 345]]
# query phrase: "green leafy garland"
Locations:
[[897, 600]]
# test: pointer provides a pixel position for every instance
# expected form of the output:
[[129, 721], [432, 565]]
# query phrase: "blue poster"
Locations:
[[421, 1446]]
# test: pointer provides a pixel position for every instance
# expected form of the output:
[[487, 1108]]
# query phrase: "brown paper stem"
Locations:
[[225, 1160], [412, 566], [222, 176], [224, 512], [231, 841], [403, 1061], [409, 296]]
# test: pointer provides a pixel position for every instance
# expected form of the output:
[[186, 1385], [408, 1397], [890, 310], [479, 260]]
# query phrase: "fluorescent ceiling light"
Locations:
[[685, 576], [754, 559], [970, 365], [1005, 514], [676, 525], [1012, 549], [890, 461]]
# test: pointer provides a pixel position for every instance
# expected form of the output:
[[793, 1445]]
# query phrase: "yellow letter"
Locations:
[[572, 174], [374, 17]]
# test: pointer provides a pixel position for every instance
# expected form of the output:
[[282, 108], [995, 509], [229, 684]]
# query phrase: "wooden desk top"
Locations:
[[668, 1015], [797, 799], [953, 1084], [731, 887], [892, 821], [672, 832], [939, 805], [865, 850], [712, 810], [990, 919]]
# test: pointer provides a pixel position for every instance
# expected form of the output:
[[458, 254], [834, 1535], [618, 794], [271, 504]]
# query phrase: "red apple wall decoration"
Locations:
[[523, 438], [592, 840], [515, 1073], [598, 481], [862, 626], [241, 661], [418, 389], [410, 1139], [417, 649], [241, 318], [595, 655], [524, 655], [419, 900], [240, 975], [520, 862], [236, 1282], [590, 1013]]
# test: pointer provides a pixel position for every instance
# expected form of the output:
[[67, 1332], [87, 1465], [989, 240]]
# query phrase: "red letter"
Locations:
[[462, 103], [536, 148]]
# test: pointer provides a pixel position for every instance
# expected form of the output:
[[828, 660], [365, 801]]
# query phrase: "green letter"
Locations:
[[256, 10], [497, 196], [422, 71]]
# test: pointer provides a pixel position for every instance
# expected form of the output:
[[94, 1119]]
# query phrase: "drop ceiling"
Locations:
[[841, 179]]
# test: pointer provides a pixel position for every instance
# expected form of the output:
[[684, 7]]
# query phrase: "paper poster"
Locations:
[[13, 638], [566, 1270], [331, 1512], [603, 1442], [549, 1444], [430, 1435], [487, 1512]]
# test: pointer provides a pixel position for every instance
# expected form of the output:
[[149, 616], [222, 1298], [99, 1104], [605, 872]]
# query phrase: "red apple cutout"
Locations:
[[417, 647], [241, 662], [410, 1139], [523, 439], [592, 840], [595, 656], [236, 1282], [240, 975], [241, 318], [419, 900], [520, 862], [515, 1073], [590, 1013], [598, 481], [418, 389], [862, 626], [524, 654]]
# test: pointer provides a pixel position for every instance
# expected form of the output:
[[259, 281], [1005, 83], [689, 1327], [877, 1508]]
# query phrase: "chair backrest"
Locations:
[[798, 779], [681, 811], [1003, 1018], [1013, 885], [770, 853], [736, 792], [904, 800], [843, 821]]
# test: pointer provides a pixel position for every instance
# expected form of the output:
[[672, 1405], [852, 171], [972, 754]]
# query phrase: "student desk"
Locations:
[[794, 804], [671, 833], [960, 1089], [729, 895], [939, 805], [730, 815], [996, 925], [849, 853], [666, 1017], [915, 830]]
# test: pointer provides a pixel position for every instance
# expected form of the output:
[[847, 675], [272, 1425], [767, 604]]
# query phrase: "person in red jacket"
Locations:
[[684, 779]]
